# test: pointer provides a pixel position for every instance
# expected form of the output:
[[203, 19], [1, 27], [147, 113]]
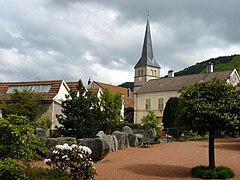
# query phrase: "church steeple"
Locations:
[[147, 67], [147, 58]]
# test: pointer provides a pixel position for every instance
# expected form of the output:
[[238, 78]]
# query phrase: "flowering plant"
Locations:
[[74, 158]]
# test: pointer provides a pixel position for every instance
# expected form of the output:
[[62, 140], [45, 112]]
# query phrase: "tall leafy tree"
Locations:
[[82, 115], [111, 105], [209, 107], [22, 104], [170, 112]]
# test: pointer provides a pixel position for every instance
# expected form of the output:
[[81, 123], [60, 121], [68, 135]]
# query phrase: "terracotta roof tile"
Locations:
[[47, 96], [177, 83], [114, 89], [128, 98], [72, 86]]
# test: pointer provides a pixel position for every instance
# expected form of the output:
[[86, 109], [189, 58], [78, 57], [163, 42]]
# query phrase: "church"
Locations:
[[151, 92]]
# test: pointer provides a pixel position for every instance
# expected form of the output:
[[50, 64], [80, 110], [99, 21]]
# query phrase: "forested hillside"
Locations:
[[220, 64]]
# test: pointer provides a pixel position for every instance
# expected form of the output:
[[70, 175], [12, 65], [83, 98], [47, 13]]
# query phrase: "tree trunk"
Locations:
[[211, 153]]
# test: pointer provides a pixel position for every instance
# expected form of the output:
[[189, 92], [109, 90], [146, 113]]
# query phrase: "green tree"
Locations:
[[82, 115], [22, 104], [111, 105], [209, 107], [18, 139], [150, 120], [170, 112]]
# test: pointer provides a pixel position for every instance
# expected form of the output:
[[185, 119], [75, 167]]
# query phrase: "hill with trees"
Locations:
[[220, 64]]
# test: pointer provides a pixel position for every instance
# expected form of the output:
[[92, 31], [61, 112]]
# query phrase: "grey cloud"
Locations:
[[59, 39]]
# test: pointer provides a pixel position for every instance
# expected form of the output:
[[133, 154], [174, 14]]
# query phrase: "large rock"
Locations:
[[133, 140], [127, 130], [40, 132], [100, 148], [122, 139], [149, 135], [52, 142], [110, 139]]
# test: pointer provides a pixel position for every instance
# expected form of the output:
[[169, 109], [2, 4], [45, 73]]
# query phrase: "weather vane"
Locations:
[[147, 14]]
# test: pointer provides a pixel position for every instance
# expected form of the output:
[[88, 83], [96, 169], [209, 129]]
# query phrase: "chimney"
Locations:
[[210, 67], [170, 73], [89, 81], [129, 92]]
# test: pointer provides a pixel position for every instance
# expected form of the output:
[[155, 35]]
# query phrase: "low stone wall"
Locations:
[[103, 144]]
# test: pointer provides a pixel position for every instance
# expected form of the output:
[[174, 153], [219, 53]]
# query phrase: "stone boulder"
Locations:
[[128, 130], [149, 135], [52, 142], [100, 148], [40, 132], [133, 140], [122, 139], [110, 139]]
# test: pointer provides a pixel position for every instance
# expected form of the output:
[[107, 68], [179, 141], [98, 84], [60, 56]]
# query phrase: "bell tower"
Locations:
[[147, 67]]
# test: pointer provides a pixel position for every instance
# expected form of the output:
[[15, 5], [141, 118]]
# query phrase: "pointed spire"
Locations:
[[147, 57]]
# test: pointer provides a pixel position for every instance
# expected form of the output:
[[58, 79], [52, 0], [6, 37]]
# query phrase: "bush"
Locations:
[[42, 122], [41, 173], [151, 121], [17, 138], [205, 172], [75, 158], [11, 169]]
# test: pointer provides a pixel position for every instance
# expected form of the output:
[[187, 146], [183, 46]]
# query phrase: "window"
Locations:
[[148, 104], [160, 103], [152, 72], [142, 72], [139, 73], [31, 88], [155, 73]]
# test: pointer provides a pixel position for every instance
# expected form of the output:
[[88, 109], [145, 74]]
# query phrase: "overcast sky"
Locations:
[[102, 39]]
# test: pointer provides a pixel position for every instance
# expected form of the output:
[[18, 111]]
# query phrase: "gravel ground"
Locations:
[[167, 161]]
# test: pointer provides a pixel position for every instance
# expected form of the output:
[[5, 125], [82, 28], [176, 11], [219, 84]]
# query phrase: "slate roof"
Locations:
[[147, 58], [177, 83], [47, 96]]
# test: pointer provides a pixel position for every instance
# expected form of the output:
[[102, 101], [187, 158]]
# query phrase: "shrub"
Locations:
[[41, 173], [205, 172], [18, 139], [11, 169], [151, 121], [42, 122], [224, 172], [75, 158]]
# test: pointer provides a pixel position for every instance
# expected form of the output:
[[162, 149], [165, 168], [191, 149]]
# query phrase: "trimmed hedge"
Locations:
[[205, 172]]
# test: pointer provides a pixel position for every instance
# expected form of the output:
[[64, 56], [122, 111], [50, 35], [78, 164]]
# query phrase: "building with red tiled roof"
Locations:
[[127, 96], [154, 95], [52, 92]]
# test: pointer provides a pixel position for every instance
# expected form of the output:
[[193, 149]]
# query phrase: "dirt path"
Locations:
[[167, 161]]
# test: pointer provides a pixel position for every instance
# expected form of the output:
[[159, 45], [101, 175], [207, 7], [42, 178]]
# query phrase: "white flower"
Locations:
[[74, 146], [47, 160], [65, 156], [85, 150], [59, 147], [55, 152], [81, 156], [65, 144], [67, 147]]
